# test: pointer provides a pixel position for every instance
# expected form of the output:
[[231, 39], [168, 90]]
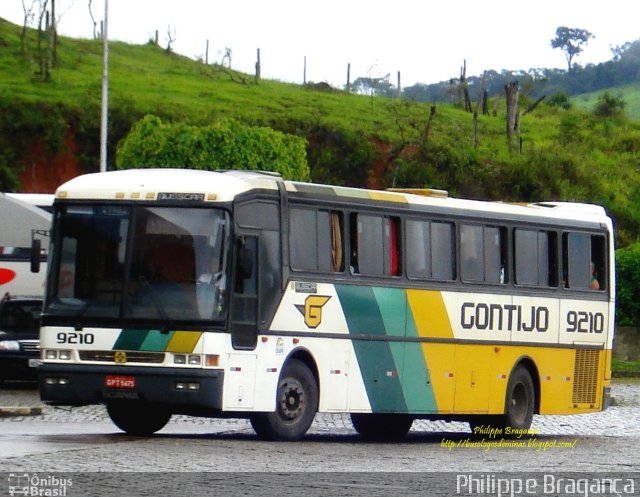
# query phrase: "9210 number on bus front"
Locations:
[[74, 338], [585, 322]]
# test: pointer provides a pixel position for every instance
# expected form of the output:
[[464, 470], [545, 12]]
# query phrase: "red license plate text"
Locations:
[[114, 381]]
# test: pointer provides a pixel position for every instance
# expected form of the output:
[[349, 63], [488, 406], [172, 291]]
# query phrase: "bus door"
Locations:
[[257, 288], [243, 323]]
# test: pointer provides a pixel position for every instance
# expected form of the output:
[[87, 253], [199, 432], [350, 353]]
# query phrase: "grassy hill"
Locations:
[[629, 93], [352, 139], [151, 79]]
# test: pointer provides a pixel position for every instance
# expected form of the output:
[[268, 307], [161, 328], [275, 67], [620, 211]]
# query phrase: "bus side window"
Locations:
[[375, 249], [315, 240], [430, 249], [483, 254], [598, 276], [584, 261], [535, 254]]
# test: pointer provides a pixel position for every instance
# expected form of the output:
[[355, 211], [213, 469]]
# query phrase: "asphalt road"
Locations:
[[195, 453]]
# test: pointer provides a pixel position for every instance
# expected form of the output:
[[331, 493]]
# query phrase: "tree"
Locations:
[[571, 41], [28, 7], [373, 86], [628, 285], [171, 38], [226, 144], [43, 62], [93, 20]]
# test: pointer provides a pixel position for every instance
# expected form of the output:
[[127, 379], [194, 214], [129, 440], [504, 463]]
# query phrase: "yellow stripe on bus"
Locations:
[[387, 197], [183, 341], [429, 313], [431, 320]]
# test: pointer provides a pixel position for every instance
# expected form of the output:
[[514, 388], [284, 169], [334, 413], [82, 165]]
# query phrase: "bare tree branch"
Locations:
[[93, 20], [170, 38], [28, 8]]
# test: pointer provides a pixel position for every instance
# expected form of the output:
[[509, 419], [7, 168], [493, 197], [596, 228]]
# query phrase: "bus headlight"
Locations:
[[191, 359], [54, 354], [64, 355]]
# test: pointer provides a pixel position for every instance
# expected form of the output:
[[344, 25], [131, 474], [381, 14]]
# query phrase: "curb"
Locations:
[[6, 412]]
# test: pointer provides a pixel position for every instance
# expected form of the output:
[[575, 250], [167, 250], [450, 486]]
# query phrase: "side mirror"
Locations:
[[36, 253]]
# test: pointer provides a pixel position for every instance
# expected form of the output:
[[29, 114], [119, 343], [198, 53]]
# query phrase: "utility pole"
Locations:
[[104, 121]]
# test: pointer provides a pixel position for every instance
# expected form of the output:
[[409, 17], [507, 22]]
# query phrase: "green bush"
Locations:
[[227, 144], [628, 285], [609, 105], [561, 100], [341, 156]]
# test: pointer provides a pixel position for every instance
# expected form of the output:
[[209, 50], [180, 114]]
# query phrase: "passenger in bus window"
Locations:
[[354, 262], [595, 284]]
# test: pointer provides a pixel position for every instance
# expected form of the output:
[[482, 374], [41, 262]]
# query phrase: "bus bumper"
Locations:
[[74, 385]]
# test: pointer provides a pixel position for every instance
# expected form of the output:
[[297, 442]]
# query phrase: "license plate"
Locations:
[[34, 363], [114, 381]]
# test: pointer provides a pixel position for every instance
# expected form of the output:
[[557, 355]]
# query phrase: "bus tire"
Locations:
[[381, 426], [138, 419], [296, 405], [519, 400]]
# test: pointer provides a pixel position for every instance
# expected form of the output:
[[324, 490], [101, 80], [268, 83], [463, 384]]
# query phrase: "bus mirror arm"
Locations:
[[36, 249]]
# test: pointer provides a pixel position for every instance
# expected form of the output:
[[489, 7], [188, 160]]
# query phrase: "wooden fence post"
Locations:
[[258, 67]]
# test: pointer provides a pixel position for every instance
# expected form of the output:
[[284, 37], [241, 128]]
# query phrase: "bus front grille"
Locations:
[[122, 357], [585, 377]]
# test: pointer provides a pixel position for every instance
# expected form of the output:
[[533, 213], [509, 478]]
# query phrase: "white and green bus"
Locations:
[[240, 294]]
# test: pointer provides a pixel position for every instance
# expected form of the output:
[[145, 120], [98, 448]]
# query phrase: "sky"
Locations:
[[425, 41]]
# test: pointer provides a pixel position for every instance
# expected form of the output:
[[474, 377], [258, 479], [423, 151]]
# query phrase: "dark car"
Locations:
[[19, 342]]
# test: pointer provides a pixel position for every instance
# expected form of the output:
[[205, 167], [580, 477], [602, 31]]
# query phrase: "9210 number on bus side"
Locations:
[[585, 322]]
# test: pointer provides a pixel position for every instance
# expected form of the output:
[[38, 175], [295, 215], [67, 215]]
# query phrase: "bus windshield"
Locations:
[[139, 262]]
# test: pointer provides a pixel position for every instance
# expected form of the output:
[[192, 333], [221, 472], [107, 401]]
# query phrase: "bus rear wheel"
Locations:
[[519, 406], [381, 426], [520, 400], [296, 405], [138, 419]]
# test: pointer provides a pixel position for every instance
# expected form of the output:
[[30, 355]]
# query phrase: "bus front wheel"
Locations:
[[138, 419], [296, 405]]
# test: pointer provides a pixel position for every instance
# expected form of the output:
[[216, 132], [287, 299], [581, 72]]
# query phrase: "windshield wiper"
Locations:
[[166, 324]]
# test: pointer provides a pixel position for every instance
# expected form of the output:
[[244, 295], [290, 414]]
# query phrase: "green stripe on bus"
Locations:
[[315, 189], [416, 381], [130, 339], [145, 340], [351, 192], [156, 341], [392, 303], [375, 357], [413, 373]]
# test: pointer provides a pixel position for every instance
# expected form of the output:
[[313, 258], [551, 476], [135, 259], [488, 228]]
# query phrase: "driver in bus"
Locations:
[[210, 289]]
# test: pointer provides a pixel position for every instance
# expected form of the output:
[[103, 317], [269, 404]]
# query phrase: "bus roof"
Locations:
[[221, 186]]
